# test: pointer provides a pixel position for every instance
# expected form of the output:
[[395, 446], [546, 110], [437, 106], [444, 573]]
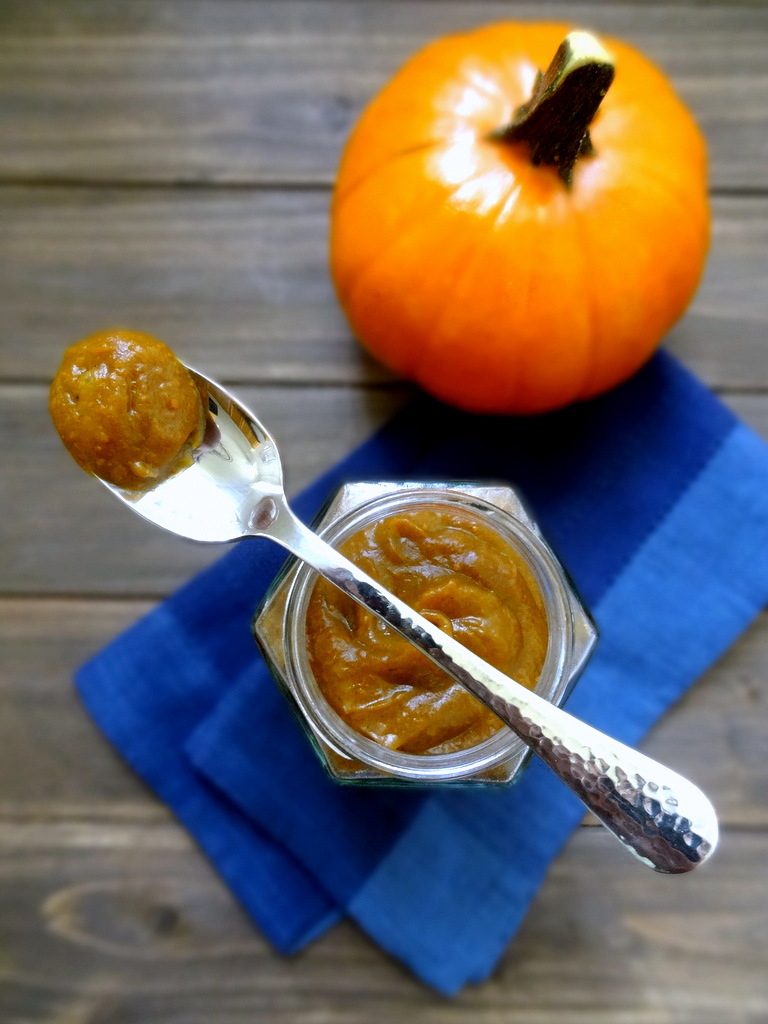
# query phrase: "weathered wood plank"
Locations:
[[55, 765], [722, 337], [133, 927], [67, 534], [753, 409], [238, 283], [230, 91]]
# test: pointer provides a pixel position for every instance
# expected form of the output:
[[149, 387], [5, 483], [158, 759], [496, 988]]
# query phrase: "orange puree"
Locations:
[[126, 409], [462, 576]]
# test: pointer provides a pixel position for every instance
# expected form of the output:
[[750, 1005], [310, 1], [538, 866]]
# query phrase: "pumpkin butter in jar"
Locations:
[[461, 575], [469, 558]]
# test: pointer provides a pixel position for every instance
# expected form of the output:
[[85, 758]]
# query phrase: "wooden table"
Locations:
[[167, 164]]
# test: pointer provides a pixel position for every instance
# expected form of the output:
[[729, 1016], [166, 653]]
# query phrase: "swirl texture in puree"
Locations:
[[464, 577]]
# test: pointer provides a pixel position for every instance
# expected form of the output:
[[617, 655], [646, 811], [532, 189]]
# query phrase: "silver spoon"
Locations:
[[234, 489]]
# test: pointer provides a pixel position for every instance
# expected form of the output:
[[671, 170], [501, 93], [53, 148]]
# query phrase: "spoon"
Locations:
[[234, 489]]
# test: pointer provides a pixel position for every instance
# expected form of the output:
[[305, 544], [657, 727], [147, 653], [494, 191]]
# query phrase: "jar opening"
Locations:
[[503, 746]]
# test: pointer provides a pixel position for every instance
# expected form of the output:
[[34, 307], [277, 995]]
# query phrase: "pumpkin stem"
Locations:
[[555, 120]]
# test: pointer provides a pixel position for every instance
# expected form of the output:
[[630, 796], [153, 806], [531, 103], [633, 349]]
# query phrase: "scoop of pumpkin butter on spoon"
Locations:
[[127, 410]]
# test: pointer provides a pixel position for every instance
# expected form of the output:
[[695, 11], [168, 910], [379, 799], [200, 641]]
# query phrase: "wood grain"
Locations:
[[75, 538], [269, 91], [153, 938], [238, 283]]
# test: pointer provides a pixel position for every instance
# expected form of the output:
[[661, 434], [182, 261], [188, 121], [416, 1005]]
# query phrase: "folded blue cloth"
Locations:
[[656, 498]]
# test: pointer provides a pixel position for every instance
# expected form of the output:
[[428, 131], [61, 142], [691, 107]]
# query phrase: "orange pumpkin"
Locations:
[[515, 241]]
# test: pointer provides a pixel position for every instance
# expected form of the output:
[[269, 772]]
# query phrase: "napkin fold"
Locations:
[[655, 496]]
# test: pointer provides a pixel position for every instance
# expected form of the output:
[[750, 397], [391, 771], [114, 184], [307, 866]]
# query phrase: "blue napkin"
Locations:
[[655, 497]]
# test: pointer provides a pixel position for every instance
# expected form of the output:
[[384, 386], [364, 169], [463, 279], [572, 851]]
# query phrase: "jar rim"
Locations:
[[504, 746]]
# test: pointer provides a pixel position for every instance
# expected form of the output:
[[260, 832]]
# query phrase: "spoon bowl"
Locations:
[[236, 464], [234, 489]]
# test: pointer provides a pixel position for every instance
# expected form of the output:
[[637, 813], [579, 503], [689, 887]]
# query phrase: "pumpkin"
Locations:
[[519, 216]]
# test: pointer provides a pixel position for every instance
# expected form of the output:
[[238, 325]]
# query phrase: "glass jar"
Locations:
[[279, 630]]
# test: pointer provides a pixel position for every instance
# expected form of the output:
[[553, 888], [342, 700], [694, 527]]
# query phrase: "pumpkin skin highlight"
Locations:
[[487, 280]]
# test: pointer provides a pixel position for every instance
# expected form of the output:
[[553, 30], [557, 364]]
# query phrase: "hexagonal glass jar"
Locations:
[[279, 630]]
